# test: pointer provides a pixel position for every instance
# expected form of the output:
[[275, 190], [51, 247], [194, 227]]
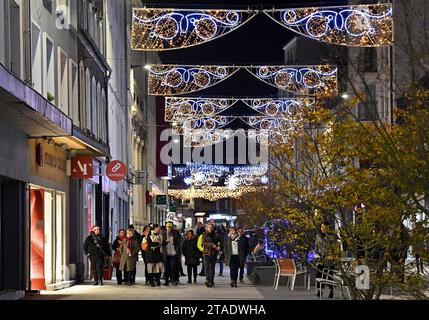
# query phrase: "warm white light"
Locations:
[[345, 96], [148, 67]]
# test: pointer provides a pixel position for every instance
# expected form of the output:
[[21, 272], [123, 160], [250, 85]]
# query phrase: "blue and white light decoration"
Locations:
[[319, 80], [198, 175], [203, 137], [166, 29], [175, 80], [180, 126], [180, 108], [277, 107], [357, 25]]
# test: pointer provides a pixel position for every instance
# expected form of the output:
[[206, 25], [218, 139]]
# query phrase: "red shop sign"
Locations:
[[116, 170], [81, 167]]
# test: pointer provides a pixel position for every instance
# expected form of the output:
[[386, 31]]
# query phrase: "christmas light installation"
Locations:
[[357, 25], [176, 80], [203, 138], [275, 107], [166, 29], [318, 80], [200, 123], [212, 193], [186, 107]]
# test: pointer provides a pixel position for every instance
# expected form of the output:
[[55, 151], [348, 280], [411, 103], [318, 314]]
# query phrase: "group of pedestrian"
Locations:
[[162, 249]]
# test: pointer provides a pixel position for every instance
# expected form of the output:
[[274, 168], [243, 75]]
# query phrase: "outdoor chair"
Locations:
[[287, 268]]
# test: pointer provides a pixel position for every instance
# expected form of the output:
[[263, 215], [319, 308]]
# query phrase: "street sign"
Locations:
[[161, 200], [116, 170], [81, 167]]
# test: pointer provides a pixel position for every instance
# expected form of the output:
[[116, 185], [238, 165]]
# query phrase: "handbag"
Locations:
[[145, 245], [117, 259]]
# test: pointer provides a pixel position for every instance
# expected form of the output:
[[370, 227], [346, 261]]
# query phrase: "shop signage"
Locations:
[[116, 170], [81, 167], [161, 200]]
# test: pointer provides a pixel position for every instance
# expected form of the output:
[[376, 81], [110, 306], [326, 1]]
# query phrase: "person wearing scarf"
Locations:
[[155, 256], [209, 244], [235, 254], [146, 233], [129, 255], [96, 249], [172, 272], [117, 255]]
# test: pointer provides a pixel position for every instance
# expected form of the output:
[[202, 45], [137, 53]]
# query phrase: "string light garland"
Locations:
[[212, 193], [319, 80], [166, 29], [203, 138], [306, 80], [358, 25], [200, 122], [175, 80], [274, 107]]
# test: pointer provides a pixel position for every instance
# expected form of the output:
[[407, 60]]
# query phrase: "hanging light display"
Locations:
[[166, 29], [358, 25], [202, 138], [307, 80], [176, 80], [180, 108], [318, 80], [276, 107], [212, 193], [200, 123]]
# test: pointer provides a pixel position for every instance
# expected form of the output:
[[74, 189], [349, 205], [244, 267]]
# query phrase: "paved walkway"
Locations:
[[184, 291]]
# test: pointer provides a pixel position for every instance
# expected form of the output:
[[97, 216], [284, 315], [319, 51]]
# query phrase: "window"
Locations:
[[36, 58], [88, 100], [63, 81], [74, 101], [49, 67], [368, 60], [15, 38], [82, 95], [368, 110]]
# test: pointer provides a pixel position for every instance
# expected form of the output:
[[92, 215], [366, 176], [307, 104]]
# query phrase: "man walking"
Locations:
[[246, 252], [139, 238], [209, 244]]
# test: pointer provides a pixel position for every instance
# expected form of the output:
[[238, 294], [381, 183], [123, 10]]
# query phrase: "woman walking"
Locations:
[[129, 255], [144, 246], [192, 255], [235, 254], [155, 256], [116, 246]]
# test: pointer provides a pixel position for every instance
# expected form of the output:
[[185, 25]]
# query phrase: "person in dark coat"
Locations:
[[155, 256], [235, 254], [199, 229], [223, 235], [129, 249], [192, 255], [247, 250], [139, 238], [117, 256], [96, 249], [173, 249], [146, 233]]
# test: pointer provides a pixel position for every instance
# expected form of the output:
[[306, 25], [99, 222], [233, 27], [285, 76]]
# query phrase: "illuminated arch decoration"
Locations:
[[206, 123], [318, 80], [203, 138], [187, 107], [213, 193], [175, 80], [197, 174], [358, 25], [277, 107], [167, 29]]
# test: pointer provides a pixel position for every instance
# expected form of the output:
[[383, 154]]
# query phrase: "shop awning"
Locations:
[[25, 109]]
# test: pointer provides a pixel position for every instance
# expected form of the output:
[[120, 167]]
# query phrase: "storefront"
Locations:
[[48, 196]]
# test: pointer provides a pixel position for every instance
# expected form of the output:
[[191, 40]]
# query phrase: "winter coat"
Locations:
[[116, 244], [242, 253], [207, 242], [96, 246], [190, 252], [129, 263], [155, 252], [177, 241]]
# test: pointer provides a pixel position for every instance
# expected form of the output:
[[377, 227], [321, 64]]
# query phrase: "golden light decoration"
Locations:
[[175, 80], [318, 80], [213, 193], [200, 122], [357, 25], [203, 138], [166, 29], [179, 108]]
